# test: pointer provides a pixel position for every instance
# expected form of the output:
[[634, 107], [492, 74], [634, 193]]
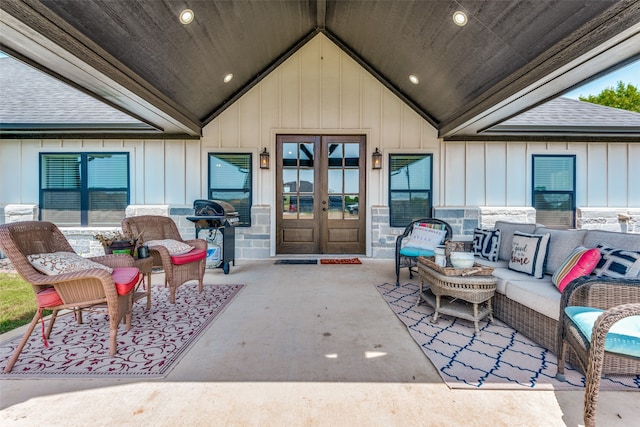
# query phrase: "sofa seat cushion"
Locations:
[[623, 336], [504, 275], [540, 295], [496, 264], [192, 256], [125, 279], [561, 244], [506, 235]]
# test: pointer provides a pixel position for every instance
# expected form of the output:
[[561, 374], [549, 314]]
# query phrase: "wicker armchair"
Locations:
[[403, 259], [619, 298], [73, 291], [177, 269]]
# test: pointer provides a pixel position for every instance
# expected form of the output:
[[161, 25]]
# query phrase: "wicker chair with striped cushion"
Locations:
[[407, 254]]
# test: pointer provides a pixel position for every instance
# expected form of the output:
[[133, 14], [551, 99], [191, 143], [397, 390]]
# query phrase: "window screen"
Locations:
[[230, 181], [554, 190], [410, 178]]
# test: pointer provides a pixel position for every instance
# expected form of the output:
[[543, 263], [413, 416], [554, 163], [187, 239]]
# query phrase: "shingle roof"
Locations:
[[567, 115], [30, 99]]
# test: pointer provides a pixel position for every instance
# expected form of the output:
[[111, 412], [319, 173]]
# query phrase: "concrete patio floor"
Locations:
[[301, 345]]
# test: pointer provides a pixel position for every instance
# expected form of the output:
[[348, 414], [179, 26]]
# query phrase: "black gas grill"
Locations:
[[221, 216]]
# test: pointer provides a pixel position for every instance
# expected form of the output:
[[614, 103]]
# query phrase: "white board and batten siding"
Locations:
[[319, 90], [499, 173], [162, 172]]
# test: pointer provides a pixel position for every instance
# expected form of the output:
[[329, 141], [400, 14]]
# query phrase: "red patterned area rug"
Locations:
[[498, 358], [341, 261], [158, 338]]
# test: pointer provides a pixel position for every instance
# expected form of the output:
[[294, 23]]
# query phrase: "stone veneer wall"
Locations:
[[610, 219], [254, 242]]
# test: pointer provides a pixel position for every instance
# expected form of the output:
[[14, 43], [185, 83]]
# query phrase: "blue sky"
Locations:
[[627, 74]]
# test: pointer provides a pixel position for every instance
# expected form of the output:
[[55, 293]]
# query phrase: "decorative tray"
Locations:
[[476, 270]]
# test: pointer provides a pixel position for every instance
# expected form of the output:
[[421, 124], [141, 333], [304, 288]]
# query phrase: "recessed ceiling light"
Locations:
[[228, 78], [186, 16], [460, 18], [414, 79]]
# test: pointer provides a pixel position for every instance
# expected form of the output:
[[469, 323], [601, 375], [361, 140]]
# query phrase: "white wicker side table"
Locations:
[[475, 292]]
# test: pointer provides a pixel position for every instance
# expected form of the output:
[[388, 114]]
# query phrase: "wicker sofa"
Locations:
[[532, 306]]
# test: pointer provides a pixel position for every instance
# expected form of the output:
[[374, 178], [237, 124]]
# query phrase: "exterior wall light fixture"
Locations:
[[264, 159], [376, 159]]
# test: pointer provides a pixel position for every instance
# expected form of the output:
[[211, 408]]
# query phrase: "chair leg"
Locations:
[[113, 341], [201, 276], [54, 316], [24, 340], [561, 355], [172, 294]]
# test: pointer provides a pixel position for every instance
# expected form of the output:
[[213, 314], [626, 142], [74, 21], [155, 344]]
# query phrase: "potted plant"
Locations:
[[118, 242]]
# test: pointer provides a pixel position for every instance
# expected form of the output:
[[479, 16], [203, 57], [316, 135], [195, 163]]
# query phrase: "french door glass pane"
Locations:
[[352, 155], [351, 180], [305, 209], [306, 181], [335, 181]]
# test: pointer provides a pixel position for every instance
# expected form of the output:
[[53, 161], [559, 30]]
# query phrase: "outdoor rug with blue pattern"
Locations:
[[497, 358]]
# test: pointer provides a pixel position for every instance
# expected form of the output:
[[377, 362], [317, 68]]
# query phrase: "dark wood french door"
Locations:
[[320, 189]]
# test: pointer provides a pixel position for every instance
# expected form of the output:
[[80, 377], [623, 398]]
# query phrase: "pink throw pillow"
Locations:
[[580, 262]]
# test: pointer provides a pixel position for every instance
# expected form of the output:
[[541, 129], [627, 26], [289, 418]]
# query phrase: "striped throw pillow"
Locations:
[[580, 262]]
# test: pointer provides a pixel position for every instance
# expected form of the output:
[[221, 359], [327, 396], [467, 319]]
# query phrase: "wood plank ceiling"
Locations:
[[176, 71]]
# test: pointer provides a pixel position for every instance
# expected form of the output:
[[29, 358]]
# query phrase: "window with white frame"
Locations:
[[554, 190], [410, 197], [84, 189]]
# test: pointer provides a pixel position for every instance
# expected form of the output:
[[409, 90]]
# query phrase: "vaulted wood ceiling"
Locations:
[[136, 55]]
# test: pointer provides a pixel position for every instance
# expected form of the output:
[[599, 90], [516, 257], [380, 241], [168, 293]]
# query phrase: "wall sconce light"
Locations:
[[264, 159], [376, 159]]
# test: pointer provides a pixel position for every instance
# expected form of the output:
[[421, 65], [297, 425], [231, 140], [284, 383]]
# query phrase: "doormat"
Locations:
[[297, 261], [341, 261], [499, 358], [157, 341]]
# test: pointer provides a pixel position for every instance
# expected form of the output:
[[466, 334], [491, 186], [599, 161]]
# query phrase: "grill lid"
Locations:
[[214, 208]]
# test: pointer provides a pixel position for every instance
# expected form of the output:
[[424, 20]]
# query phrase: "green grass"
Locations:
[[17, 302]]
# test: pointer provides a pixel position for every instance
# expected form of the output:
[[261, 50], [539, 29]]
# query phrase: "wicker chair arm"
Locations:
[[198, 243], [606, 320], [600, 292], [80, 286], [115, 260], [163, 253]]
